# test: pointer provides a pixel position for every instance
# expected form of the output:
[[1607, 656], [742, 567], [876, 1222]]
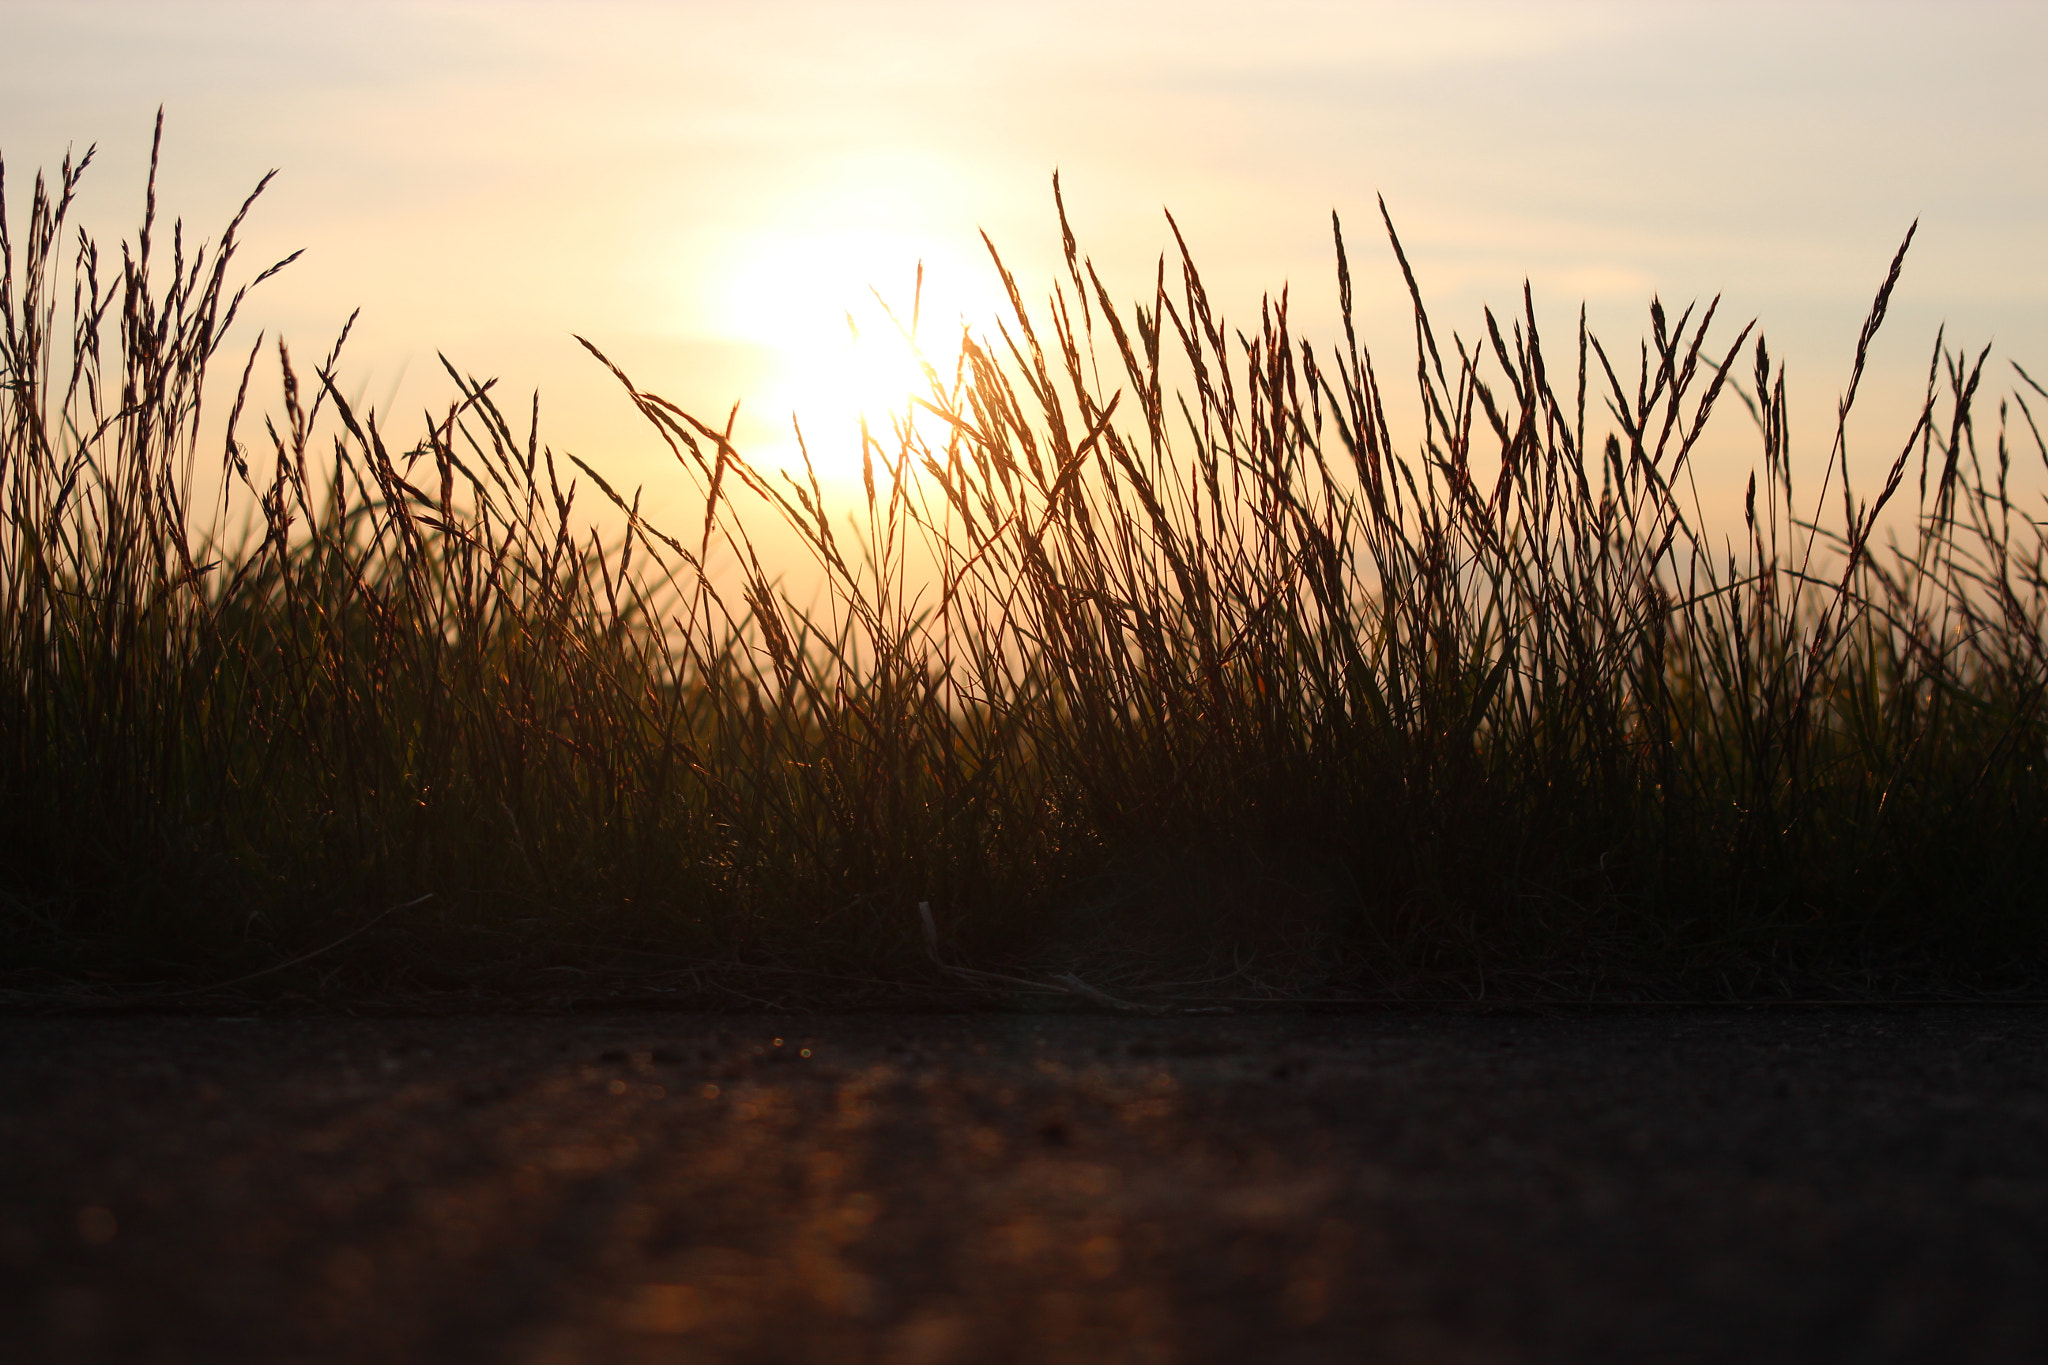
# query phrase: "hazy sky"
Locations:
[[706, 189]]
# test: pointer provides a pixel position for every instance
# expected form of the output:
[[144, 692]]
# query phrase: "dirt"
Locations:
[[1688, 1185]]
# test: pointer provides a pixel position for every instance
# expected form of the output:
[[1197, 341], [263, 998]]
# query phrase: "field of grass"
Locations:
[[1148, 656]]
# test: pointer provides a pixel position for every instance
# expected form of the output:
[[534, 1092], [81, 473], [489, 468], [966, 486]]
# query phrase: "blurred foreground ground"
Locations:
[[1727, 1185]]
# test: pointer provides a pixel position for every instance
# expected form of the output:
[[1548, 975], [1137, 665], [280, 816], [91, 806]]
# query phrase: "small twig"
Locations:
[[274, 967], [931, 946], [1063, 982], [1076, 986]]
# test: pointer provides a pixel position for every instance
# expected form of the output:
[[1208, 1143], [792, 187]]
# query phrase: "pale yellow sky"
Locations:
[[706, 189]]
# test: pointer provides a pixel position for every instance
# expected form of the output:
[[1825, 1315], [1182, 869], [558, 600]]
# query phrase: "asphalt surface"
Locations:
[[1686, 1185]]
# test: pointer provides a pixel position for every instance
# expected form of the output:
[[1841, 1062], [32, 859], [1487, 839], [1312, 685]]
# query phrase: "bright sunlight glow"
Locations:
[[853, 330]]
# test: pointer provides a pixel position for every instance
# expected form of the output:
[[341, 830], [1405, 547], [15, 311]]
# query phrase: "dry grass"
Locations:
[[1147, 649]]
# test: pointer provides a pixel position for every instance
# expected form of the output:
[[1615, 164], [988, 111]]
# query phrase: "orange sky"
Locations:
[[706, 189]]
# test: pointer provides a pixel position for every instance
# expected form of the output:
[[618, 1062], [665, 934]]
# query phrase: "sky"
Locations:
[[707, 190]]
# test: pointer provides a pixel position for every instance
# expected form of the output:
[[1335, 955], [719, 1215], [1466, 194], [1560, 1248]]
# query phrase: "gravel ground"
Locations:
[[1697, 1185]]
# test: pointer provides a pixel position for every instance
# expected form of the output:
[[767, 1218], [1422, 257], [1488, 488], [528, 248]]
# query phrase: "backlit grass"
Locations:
[[1148, 650]]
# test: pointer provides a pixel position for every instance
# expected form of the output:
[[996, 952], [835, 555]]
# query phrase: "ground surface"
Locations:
[[1676, 1186]]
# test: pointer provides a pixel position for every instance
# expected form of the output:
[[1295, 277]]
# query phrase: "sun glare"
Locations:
[[859, 322]]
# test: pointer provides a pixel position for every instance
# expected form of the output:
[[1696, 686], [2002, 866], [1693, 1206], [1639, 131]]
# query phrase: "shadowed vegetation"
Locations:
[[1147, 653]]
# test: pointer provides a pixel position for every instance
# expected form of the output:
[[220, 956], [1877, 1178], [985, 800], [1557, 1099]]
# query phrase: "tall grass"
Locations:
[[1146, 646]]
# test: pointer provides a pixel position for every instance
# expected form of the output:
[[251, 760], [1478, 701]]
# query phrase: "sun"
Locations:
[[858, 322]]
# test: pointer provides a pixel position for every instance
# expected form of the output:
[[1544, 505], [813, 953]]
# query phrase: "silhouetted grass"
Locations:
[[1147, 652]]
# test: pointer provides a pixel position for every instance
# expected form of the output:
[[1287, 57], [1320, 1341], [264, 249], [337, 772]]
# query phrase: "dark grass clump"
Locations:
[[1146, 654]]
